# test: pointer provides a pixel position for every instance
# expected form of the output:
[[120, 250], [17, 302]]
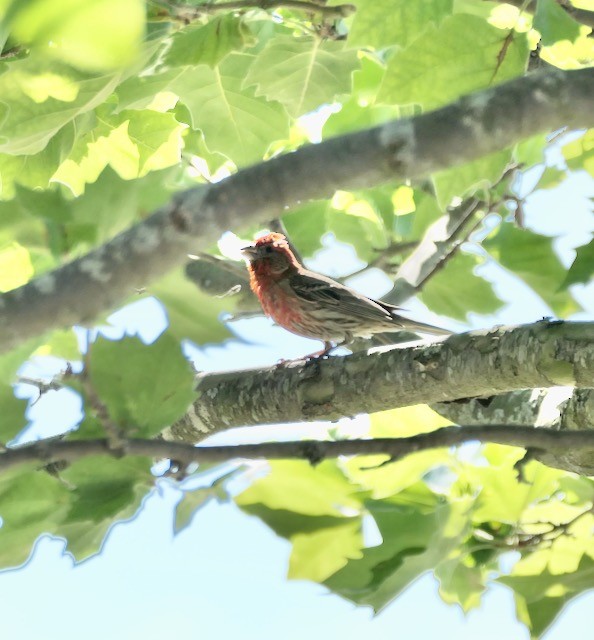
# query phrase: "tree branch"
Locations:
[[191, 12], [537, 407], [439, 244], [470, 128], [53, 451], [479, 363]]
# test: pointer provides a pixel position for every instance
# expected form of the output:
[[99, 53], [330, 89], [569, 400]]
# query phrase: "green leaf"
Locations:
[[477, 295], [106, 207], [102, 491], [302, 74], [531, 151], [42, 98], [192, 501], [209, 43], [540, 598], [15, 266], [461, 581], [579, 154], [234, 121], [582, 269], [133, 143], [354, 219], [296, 486], [531, 257], [145, 387], [31, 503], [138, 92], [12, 409], [551, 177], [384, 23], [416, 537], [82, 33], [35, 171], [554, 23], [459, 181], [307, 224], [192, 315], [504, 497], [317, 555], [455, 59]]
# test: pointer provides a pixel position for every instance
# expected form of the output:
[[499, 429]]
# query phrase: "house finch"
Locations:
[[314, 306]]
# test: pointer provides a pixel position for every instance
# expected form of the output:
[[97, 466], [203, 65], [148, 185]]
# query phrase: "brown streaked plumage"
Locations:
[[315, 306]]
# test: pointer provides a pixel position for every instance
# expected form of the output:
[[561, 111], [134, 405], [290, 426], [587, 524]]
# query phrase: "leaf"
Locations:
[[133, 143], [234, 121], [193, 501], [102, 491], [416, 538], [31, 503], [457, 58], [477, 295], [15, 267], [531, 257], [12, 409], [459, 181], [138, 92], [307, 224], [582, 268], [463, 582], [354, 219], [540, 598], [36, 115], [35, 171], [192, 315], [208, 43], [381, 24], [554, 23], [504, 497], [82, 33], [60, 344], [579, 153], [145, 387], [302, 74], [317, 555], [296, 486]]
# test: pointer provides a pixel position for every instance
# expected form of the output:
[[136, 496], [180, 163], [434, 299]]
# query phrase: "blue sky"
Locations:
[[224, 576]]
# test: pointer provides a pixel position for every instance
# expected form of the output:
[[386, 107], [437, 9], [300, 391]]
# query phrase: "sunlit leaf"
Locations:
[[444, 63]]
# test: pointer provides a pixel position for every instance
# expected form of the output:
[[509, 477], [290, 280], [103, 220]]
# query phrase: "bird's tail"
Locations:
[[421, 327]]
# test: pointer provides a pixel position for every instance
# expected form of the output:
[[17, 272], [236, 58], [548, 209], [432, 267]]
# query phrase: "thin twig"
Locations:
[[191, 12], [115, 438], [314, 451]]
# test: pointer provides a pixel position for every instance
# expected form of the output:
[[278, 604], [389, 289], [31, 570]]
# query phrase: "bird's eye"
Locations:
[[268, 249]]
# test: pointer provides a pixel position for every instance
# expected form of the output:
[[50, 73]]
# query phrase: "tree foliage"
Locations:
[[108, 109]]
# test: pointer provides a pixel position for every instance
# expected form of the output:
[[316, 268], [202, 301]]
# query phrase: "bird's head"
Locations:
[[271, 255]]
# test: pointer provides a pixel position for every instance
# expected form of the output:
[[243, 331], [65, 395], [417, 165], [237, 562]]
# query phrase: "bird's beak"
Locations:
[[250, 252]]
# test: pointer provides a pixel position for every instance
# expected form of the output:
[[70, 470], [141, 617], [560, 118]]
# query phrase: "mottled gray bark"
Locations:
[[470, 128], [479, 363], [570, 410]]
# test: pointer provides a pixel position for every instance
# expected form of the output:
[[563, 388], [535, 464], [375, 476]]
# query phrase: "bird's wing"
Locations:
[[323, 291]]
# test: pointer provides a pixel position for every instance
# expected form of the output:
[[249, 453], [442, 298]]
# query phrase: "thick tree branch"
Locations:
[[480, 363], [470, 128], [540, 407], [53, 451]]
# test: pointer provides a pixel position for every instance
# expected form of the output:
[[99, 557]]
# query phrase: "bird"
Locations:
[[314, 306]]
